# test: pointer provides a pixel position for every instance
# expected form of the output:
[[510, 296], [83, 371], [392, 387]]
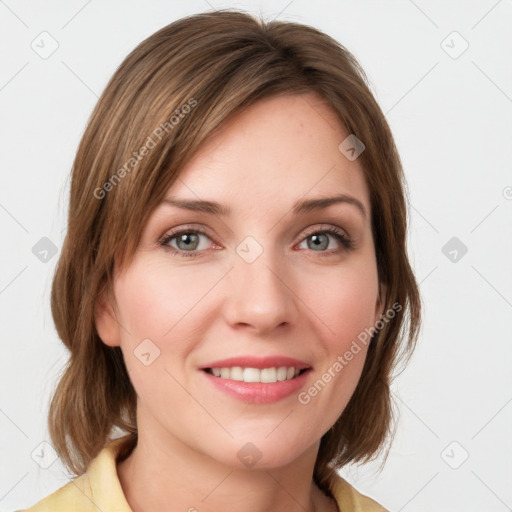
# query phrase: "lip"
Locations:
[[258, 392], [257, 362]]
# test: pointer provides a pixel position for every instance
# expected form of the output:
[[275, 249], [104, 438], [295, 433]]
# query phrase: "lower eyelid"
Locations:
[[344, 241], [173, 236]]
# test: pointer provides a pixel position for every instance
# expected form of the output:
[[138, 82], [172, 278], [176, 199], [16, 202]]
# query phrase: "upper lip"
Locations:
[[257, 362]]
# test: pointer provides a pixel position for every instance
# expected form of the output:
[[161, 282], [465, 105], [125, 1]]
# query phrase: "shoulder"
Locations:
[[72, 496], [97, 489], [348, 498]]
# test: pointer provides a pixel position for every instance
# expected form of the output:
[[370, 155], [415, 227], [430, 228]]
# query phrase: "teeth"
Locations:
[[252, 375], [265, 375], [268, 375], [281, 373], [237, 373]]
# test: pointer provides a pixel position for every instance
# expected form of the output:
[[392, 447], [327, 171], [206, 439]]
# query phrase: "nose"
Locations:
[[260, 295]]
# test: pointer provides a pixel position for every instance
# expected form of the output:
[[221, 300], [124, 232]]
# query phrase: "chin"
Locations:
[[260, 452]]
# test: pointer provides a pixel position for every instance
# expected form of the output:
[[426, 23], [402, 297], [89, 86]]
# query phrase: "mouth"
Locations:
[[257, 380], [264, 375]]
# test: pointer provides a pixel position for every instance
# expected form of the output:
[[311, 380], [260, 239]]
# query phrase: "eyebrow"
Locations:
[[302, 206]]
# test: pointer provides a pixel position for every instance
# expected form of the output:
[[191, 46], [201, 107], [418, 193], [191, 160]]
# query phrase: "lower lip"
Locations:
[[258, 392]]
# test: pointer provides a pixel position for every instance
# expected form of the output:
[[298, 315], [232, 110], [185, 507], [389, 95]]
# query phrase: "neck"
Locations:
[[163, 474]]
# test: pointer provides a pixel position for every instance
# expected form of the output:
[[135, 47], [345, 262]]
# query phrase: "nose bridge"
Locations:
[[260, 295]]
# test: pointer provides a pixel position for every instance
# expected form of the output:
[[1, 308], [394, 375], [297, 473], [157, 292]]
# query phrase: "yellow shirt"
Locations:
[[99, 489]]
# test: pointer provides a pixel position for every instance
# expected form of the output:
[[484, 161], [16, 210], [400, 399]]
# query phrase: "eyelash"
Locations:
[[346, 242]]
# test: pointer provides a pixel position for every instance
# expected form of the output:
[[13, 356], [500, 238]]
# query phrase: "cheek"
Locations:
[[154, 300], [151, 304], [167, 307], [346, 303], [337, 375], [346, 306]]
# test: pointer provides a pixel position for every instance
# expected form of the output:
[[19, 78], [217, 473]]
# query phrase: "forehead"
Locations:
[[276, 151]]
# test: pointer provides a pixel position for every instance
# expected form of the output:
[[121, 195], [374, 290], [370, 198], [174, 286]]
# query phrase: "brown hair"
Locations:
[[168, 96]]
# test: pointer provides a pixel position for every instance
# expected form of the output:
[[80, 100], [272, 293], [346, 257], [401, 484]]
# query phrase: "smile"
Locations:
[[265, 375], [257, 379]]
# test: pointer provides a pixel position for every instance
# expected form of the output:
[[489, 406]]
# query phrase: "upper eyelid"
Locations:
[[322, 228], [186, 229], [318, 228]]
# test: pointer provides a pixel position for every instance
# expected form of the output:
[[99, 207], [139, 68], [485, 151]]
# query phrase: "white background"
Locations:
[[451, 118]]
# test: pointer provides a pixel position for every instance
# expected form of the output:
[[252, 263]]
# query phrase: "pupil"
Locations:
[[318, 243], [188, 239]]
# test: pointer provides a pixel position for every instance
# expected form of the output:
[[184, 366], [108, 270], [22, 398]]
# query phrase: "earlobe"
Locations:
[[105, 322]]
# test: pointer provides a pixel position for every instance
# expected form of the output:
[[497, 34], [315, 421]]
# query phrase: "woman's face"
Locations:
[[251, 276]]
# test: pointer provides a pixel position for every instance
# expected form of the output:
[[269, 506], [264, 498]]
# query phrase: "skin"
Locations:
[[295, 299]]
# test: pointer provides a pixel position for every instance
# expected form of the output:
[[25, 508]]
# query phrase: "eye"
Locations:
[[186, 241], [319, 240]]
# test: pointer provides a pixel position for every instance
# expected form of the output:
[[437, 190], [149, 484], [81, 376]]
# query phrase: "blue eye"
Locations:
[[318, 241], [188, 243]]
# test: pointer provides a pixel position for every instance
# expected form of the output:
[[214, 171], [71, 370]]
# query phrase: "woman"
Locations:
[[234, 287]]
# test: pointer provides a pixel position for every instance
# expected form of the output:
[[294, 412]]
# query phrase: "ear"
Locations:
[[379, 304], [106, 322]]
